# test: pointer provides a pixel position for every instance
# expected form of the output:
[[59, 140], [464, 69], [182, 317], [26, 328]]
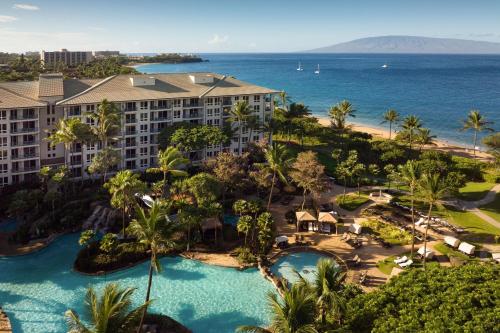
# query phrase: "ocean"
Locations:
[[440, 89]]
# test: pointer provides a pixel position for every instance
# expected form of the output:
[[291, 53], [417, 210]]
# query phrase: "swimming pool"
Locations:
[[8, 225], [36, 290], [302, 262], [231, 220]]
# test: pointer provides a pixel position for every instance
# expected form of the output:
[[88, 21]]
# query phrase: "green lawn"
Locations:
[[388, 232], [493, 208], [471, 222], [386, 265], [473, 191], [449, 252], [351, 201]]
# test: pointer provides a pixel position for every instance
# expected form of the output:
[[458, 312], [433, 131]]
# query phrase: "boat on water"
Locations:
[[300, 67], [384, 66], [317, 70]]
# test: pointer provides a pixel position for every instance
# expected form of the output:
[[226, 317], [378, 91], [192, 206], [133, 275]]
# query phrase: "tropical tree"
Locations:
[[64, 133], [278, 163], [307, 172], [229, 170], [339, 113], [493, 143], [239, 115], [293, 312], [244, 225], [391, 116], [432, 187], [410, 126], [190, 216], [155, 230], [477, 122], [205, 187], [104, 161], [169, 162], [345, 168], [111, 312], [265, 224], [107, 122], [409, 174], [424, 137], [123, 187], [85, 238]]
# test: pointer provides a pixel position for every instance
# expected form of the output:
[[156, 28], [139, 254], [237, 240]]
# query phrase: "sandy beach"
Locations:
[[439, 145]]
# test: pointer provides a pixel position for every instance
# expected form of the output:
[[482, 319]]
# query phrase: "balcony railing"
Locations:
[[192, 115], [24, 117], [161, 119], [130, 156], [24, 156], [25, 169], [24, 143], [130, 132], [130, 109], [130, 121], [24, 130], [158, 107]]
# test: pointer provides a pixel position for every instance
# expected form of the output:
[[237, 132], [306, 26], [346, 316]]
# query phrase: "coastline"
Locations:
[[440, 145]]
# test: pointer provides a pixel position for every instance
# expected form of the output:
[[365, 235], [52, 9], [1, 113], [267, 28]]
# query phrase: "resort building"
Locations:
[[149, 103], [69, 58]]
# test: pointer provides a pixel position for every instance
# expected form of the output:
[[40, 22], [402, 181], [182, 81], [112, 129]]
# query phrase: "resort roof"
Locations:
[[210, 223], [304, 216], [326, 217], [175, 85], [9, 99]]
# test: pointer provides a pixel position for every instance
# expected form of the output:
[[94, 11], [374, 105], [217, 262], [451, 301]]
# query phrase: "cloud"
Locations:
[[25, 6], [7, 19], [216, 39]]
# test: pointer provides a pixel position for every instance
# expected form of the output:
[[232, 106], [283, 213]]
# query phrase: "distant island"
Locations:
[[411, 44], [164, 58]]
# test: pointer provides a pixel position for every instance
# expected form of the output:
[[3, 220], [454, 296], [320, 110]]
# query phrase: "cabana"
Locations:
[[307, 217], [452, 241], [467, 248], [496, 256], [327, 219], [429, 254], [355, 228]]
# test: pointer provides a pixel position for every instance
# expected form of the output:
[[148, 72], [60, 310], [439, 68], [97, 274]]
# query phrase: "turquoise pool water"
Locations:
[[36, 290], [302, 262], [8, 226], [231, 220]]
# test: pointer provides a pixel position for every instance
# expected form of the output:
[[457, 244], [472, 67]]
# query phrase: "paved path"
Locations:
[[473, 206]]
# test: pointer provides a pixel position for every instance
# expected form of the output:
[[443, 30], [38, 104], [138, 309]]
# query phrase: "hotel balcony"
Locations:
[[161, 119], [134, 132], [192, 115], [130, 109], [24, 130], [24, 156], [158, 107], [25, 143], [22, 169], [24, 117], [227, 102], [130, 121]]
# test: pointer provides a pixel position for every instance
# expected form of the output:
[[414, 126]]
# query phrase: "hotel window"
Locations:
[[143, 151], [91, 146], [210, 153], [3, 168], [144, 105], [3, 128], [75, 110], [209, 122], [256, 108], [177, 114], [210, 112], [256, 99], [144, 140], [3, 154], [217, 112], [255, 138], [144, 117], [130, 165], [244, 139], [4, 181], [144, 162], [90, 121], [144, 128], [90, 157], [3, 115], [245, 98], [3, 142], [90, 108], [177, 103], [216, 122]]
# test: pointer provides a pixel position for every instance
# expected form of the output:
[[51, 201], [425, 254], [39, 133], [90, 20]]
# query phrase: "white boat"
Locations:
[[384, 66], [300, 67], [317, 70]]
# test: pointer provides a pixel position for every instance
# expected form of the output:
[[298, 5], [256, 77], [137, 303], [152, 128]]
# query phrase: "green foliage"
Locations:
[[387, 232], [167, 58], [194, 137], [473, 191], [265, 223], [352, 201], [108, 243], [85, 237], [245, 256], [205, 188], [459, 299], [101, 68]]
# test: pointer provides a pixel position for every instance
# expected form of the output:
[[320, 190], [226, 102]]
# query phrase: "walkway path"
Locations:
[[473, 206]]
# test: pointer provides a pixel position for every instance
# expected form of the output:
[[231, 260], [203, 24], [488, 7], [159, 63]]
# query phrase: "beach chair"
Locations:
[[406, 263], [401, 260]]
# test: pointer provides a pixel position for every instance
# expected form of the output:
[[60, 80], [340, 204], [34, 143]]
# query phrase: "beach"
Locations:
[[440, 145]]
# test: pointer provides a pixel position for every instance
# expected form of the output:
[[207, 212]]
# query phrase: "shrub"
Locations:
[[245, 256], [469, 167]]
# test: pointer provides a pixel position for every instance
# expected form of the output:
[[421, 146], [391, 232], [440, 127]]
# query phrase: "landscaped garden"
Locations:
[[388, 232], [351, 201]]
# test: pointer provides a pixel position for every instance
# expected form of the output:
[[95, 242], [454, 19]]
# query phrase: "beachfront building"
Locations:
[[69, 58], [149, 103]]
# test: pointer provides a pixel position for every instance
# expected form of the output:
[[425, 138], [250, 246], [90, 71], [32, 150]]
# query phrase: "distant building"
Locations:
[[70, 58], [105, 54], [148, 103]]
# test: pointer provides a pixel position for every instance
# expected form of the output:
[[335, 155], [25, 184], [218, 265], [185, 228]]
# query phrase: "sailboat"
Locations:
[[300, 67], [317, 70], [384, 66]]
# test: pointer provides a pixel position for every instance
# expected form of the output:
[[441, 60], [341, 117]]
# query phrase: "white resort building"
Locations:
[[149, 103]]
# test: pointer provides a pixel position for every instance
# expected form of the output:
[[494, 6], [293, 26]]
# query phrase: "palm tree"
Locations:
[[476, 121], [169, 161], [391, 117], [409, 174], [425, 138], [410, 125], [155, 230], [244, 225], [111, 312], [239, 114], [64, 134], [107, 121], [432, 188], [278, 162], [293, 312], [339, 113], [123, 187]]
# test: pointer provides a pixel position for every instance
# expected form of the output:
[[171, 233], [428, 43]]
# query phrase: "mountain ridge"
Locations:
[[411, 45]]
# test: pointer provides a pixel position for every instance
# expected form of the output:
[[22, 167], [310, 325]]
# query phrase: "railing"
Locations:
[[24, 156], [24, 143], [130, 132], [227, 102], [130, 109], [24, 117], [130, 156], [161, 118], [24, 130], [192, 115], [25, 169], [166, 107], [130, 121]]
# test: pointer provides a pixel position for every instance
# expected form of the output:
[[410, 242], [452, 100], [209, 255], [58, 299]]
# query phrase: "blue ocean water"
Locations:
[[440, 89]]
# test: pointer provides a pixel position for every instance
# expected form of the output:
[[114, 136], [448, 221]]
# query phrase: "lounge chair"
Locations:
[[401, 260], [406, 263]]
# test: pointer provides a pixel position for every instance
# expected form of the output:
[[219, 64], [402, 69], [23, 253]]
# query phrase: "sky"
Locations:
[[202, 26]]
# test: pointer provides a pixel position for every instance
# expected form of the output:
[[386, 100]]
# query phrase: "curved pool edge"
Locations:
[[46, 243], [295, 249]]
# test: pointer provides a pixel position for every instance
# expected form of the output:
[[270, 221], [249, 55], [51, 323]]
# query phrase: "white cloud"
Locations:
[[216, 39], [25, 6], [7, 19]]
